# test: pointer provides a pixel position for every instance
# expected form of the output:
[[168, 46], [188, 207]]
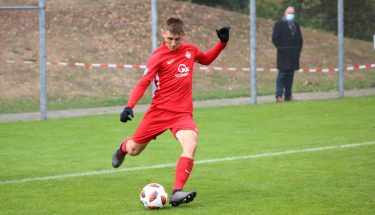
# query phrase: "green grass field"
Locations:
[[288, 158]]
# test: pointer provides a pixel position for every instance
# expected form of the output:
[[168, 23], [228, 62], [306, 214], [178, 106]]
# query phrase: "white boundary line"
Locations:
[[105, 172]]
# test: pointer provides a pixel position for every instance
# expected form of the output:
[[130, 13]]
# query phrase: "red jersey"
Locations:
[[172, 72]]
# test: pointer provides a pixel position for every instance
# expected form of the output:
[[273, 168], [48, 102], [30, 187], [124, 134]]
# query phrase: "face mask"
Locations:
[[289, 17]]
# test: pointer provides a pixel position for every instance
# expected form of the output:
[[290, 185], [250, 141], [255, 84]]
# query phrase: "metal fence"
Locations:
[[96, 52]]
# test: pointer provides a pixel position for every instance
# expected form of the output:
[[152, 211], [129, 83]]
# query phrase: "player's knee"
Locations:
[[133, 151], [190, 149], [193, 147]]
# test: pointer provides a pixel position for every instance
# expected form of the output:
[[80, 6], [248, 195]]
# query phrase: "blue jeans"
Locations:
[[284, 83]]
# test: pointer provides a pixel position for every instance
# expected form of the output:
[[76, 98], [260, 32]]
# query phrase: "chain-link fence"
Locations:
[[96, 51]]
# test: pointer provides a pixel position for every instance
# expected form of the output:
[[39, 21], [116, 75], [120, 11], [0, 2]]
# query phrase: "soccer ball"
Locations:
[[153, 196]]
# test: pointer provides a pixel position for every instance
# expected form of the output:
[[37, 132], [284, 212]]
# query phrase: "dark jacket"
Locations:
[[288, 46]]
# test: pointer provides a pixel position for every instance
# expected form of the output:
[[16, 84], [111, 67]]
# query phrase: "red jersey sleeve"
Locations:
[[144, 82], [210, 55]]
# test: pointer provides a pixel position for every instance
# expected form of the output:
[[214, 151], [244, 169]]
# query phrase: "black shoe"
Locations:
[[289, 99], [118, 157], [180, 197]]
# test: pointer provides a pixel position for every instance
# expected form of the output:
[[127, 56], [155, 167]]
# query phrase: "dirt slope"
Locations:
[[106, 31]]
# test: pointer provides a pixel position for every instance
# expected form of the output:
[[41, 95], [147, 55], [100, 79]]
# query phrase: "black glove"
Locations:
[[223, 34], [127, 114]]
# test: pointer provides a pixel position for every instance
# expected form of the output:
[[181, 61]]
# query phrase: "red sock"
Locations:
[[123, 145], [183, 170]]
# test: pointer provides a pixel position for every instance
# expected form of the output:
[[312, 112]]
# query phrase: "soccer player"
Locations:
[[170, 67]]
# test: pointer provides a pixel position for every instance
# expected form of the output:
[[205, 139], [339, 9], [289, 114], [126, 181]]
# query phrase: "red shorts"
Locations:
[[156, 121]]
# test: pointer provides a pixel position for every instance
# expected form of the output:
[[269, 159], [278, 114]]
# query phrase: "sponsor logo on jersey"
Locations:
[[183, 71]]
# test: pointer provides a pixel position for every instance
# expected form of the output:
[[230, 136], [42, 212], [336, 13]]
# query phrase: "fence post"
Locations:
[[154, 31], [340, 35], [42, 51], [42, 59], [253, 66]]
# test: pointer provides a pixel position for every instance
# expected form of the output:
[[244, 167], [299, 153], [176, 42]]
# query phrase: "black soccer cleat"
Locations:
[[118, 157], [179, 197]]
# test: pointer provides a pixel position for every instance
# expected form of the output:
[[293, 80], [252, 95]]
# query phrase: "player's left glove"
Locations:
[[126, 114], [223, 34]]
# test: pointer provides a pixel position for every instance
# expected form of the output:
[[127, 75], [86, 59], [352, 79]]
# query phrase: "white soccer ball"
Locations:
[[153, 196]]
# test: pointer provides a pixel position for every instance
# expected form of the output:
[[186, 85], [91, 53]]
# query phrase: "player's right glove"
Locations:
[[126, 114], [223, 34]]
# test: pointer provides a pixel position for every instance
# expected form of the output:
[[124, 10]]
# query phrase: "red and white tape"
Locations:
[[86, 65], [204, 68]]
